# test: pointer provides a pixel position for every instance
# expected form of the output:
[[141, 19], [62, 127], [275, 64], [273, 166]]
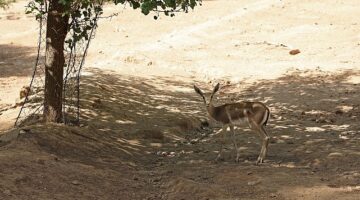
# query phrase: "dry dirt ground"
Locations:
[[142, 133]]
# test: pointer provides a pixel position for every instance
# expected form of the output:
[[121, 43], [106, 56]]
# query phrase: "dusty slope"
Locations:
[[158, 152], [148, 107]]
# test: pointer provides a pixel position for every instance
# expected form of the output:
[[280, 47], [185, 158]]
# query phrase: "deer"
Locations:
[[255, 115]]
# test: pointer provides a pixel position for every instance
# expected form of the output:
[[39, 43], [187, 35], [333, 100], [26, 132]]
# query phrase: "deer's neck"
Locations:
[[212, 111]]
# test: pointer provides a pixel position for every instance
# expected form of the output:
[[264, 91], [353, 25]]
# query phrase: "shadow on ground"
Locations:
[[16, 60], [144, 139]]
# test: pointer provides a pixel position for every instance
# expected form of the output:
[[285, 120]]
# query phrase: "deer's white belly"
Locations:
[[240, 122]]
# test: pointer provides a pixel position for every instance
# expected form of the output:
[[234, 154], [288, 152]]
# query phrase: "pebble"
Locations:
[[294, 52], [75, 182]]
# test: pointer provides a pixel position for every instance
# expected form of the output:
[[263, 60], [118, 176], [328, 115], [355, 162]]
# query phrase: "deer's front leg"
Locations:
[[222, 141], [235, 143]]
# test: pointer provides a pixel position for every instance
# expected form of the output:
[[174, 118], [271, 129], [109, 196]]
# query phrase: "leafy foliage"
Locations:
[[82, 13], [5, 3]]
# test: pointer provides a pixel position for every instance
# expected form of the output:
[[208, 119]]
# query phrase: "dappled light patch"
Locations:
[[314, 129], [125, 122], [337, 127], [353, 79]]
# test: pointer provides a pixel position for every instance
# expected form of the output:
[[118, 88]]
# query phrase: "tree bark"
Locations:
[[56, 30]]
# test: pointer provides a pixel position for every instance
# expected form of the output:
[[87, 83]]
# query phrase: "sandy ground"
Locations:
[[141, 135]]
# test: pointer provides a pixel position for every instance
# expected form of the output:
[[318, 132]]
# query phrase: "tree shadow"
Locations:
[[16, 60], [155, 124], [313, 122]]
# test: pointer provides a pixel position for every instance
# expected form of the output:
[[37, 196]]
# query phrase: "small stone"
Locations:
[[135, 178], [249, 173], [294, 52], [75, 182]]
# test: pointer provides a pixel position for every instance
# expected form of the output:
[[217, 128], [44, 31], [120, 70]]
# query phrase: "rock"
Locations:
[[335, 154], [75, 182], [294, 52]]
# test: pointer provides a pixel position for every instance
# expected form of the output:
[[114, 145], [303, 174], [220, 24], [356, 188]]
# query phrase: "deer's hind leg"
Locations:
[[264, 140]]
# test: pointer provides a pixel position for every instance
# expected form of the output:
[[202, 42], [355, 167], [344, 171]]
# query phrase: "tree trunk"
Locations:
[[56, 30]]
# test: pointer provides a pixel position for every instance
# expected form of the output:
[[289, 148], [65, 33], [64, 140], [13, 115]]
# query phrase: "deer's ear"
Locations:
[[197, 90], [216, 88]]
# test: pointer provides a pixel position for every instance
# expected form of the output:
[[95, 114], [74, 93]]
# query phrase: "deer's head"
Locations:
[[207, 97]]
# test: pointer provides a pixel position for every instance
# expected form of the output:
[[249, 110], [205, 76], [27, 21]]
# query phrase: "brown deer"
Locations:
[[252, 114]]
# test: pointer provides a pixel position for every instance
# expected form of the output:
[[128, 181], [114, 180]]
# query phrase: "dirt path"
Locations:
[[142, 135]]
